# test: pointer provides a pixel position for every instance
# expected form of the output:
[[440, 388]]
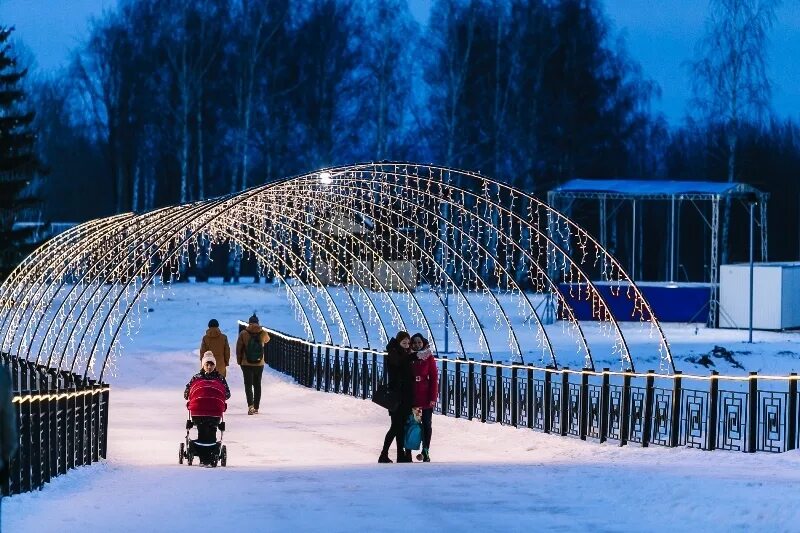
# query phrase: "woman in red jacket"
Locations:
[[426, 388]]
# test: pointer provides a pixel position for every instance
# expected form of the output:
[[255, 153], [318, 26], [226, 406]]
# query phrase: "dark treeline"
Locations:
[[171, 101]]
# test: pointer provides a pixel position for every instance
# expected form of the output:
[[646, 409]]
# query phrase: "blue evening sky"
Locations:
[[660, 34]]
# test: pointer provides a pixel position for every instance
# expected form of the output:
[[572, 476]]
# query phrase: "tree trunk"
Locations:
[[201, 189]]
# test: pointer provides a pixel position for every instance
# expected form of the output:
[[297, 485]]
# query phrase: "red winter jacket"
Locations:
[[426, 381]]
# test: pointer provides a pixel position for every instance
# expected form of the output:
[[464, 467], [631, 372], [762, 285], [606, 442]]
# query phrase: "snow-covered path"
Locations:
[[308, 462]]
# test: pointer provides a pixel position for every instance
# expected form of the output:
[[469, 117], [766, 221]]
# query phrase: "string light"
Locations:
[[359, 250]]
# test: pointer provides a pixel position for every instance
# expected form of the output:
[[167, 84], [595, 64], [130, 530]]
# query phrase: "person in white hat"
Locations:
[[209, 371]]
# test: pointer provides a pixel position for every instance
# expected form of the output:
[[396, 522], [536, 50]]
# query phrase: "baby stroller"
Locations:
[[206, 405]]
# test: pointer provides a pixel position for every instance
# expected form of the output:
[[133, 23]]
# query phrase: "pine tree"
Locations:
[[18, 160]]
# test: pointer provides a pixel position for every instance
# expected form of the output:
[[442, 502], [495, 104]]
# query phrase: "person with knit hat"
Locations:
[[250, 356], [204, 406], [217, 343], [209, 371]]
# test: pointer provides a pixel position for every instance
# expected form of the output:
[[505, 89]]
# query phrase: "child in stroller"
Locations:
[[206, 393]]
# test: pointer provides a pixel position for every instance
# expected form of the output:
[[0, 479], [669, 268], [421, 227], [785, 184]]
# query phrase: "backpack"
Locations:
[[254, 349]]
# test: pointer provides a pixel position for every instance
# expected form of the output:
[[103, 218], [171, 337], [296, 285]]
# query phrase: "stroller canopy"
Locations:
[[207, 398]]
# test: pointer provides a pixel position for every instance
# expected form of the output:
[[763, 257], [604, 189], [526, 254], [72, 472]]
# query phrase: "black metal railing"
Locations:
[[750, 413], [62, 421]]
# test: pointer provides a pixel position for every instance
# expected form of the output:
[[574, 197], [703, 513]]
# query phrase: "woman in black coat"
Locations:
[[400, 378]]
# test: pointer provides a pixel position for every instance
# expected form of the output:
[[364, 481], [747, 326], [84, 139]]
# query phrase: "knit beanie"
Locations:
[[209, 356], [213, 323]]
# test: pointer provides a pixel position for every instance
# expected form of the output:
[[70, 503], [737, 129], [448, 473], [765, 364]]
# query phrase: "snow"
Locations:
[[308, 460]]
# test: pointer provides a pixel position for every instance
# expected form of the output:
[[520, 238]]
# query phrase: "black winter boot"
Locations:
[[384, 457], [403, 456]]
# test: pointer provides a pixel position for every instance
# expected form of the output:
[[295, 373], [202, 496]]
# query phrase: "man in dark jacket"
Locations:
[[250, 356]]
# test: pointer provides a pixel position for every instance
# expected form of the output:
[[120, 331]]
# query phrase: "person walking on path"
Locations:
[[250, 356], [399, 379], [216, 342], [426, 388]]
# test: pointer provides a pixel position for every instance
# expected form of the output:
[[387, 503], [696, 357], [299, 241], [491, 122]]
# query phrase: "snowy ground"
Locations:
[[308, 461]]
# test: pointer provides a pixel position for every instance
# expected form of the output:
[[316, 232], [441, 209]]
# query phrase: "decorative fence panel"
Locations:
[[646, 409], [62, 420]]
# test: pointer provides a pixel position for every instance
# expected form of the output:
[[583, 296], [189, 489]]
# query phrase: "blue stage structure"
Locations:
[[635, 191], [671, 302]]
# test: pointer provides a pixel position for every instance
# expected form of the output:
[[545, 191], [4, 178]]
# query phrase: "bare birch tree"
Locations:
[[730, 81]]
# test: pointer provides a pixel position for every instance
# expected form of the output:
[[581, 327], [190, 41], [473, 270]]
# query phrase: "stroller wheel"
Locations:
[[223, 456], [180, 454]]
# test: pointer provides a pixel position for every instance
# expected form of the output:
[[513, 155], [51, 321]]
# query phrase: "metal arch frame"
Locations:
[[435, 263], [175, 227], [423, 252], [88, 272], [573, 264], [37, 290], [35, 274], [394, 272], [330, 298], [291, 269]]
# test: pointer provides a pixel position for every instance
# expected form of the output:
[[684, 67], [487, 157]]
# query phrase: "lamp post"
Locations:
[[751, 200]]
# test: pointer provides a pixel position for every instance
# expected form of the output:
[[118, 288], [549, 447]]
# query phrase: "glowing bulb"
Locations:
[[325, 178]]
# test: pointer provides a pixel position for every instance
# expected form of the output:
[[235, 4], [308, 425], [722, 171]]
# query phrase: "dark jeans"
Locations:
[[206, 428], [252, 384], [397, 430], [427, 430]]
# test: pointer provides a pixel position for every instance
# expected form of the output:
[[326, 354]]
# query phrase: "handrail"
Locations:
[[678, 375]]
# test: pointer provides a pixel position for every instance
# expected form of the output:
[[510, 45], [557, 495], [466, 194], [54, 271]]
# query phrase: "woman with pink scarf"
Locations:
[[426, 388]]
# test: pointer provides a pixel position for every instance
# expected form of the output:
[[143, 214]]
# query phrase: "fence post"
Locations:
[[36, 429], [713, 411], [530, 393], [649, 394], [605, 404], [484, 394], [25, 431], [327, 369], [499, 407], [104, 423], [564, 407], [675, 416], [364, 376], [44, 413], [337, 371], [63, 421], [52, 413], [752, 413], [625, 410], [458, 392], [470, 390], [514, 397], [374, 371], [346, 372], [354, 375], [584, 403], [791, 426], [547, 400], [444, 392]]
